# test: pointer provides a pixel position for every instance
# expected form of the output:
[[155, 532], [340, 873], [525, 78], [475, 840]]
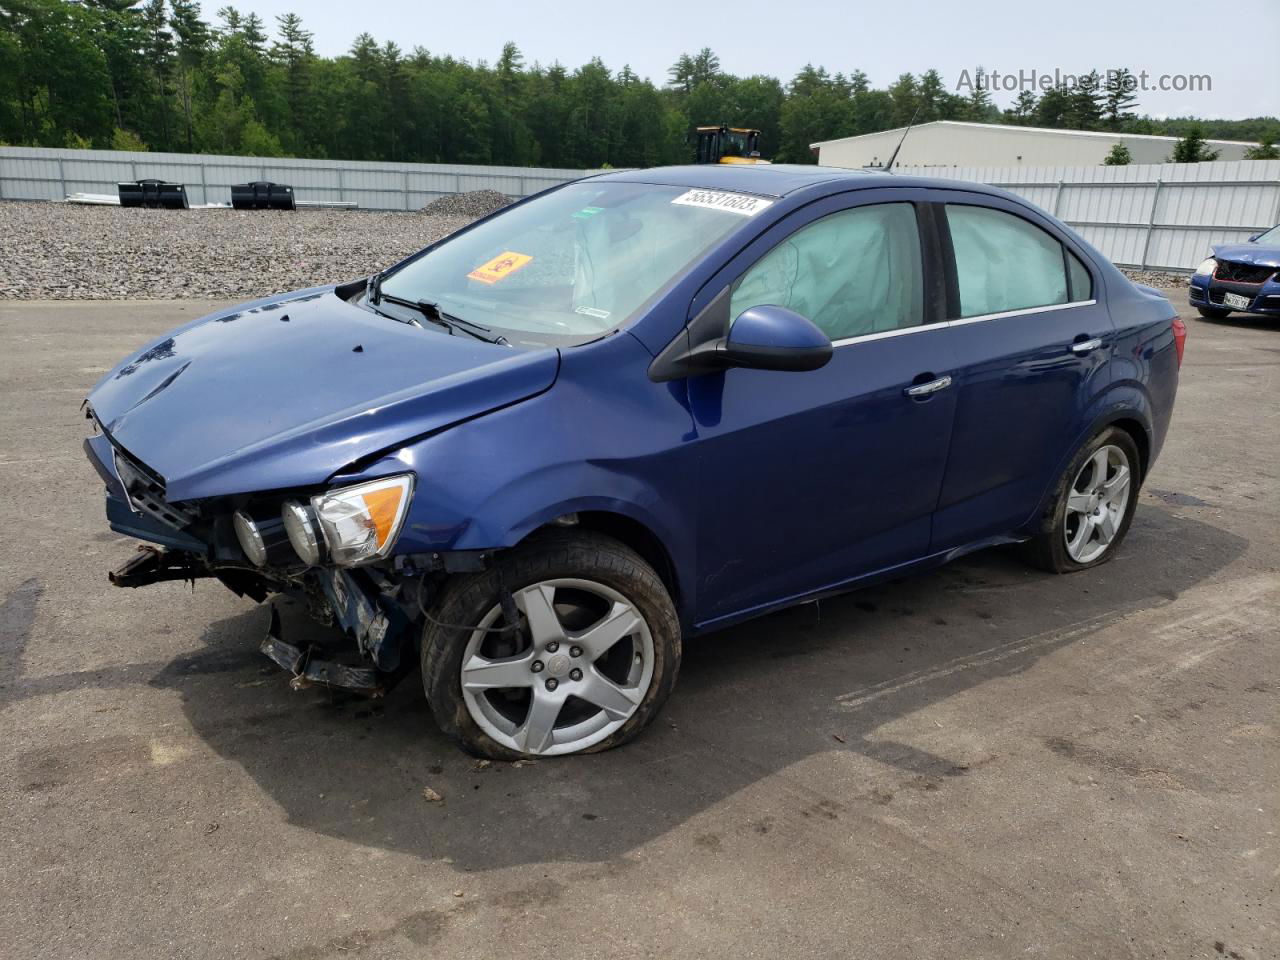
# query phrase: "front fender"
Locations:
[[602, 438]]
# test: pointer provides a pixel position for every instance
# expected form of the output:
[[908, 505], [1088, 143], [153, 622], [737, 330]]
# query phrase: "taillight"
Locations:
[[1179, 337]]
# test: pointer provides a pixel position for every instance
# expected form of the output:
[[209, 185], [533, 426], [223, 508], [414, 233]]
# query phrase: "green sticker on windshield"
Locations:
[[588, 212]]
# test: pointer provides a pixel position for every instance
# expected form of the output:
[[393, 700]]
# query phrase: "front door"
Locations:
[[808, 480]]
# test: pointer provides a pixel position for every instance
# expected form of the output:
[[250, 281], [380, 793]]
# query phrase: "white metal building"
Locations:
[[950, 143]]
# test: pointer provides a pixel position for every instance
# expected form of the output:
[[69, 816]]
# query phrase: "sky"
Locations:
[[1173, 39]]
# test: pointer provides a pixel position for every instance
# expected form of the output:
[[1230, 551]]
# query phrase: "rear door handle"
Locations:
[[1086, 346], [927, 389]]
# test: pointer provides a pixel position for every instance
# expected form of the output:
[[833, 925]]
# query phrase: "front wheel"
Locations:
[[1092, 505], [578, 659], [1214, 313]]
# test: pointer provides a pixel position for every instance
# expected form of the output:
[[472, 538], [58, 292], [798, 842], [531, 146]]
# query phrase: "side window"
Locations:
[[852, 273], [1004, 262], [1081, 282]]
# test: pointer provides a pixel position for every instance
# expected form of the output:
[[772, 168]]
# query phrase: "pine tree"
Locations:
[[681, 73], [979, 107], [706, 66], [293, 54], [254, 34], [192, 46], [1120, 99], [1023, 111], [1085, 110], [161, 54], [933, 97], [1192, 148], [905, 97], [1266, 150], [1054, 108], [1119, 156]]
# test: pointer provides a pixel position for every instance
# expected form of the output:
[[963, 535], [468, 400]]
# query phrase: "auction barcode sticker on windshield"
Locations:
[[739, 203]]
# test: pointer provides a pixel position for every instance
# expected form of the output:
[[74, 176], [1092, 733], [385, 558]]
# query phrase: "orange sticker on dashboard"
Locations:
[[503, 265]]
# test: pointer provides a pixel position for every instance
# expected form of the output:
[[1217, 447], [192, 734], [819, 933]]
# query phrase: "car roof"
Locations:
[[779, 179], [764, 179]]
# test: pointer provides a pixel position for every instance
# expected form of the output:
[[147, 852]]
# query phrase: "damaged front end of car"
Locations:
[[328, 549]]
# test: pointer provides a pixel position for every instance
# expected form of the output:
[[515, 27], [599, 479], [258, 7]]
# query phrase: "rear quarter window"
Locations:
[[1081, 282]]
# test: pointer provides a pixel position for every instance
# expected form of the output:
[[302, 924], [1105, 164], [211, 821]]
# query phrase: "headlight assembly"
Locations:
[[361, 523], [1207, 267], [263, 539], [300, 525]]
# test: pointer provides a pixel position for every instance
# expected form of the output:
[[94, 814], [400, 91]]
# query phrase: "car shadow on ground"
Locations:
[[751, 700]]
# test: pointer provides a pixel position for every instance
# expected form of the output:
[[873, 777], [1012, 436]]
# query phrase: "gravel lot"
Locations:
[[984, 761], [59, 251]]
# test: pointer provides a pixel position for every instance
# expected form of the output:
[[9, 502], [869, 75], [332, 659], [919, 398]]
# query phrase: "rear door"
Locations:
[[1031, 345], [810, 479]]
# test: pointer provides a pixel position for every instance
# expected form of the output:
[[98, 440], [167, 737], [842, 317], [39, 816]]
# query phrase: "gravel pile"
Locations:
[[60, 251], [1155, 278], [475, 203]]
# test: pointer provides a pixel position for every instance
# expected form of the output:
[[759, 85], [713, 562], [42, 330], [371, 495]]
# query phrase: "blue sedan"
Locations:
[[1243, 277], [538, 456]]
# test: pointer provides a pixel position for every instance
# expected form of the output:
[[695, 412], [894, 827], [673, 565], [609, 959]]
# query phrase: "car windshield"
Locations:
[[1270, 237], [568, 266]]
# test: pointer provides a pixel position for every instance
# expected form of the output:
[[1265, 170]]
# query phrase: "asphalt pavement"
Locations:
[[983, 761]]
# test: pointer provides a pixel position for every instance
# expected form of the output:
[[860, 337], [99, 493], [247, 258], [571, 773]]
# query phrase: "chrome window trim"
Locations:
[[885, 334], [920, 328], [1018, 313]]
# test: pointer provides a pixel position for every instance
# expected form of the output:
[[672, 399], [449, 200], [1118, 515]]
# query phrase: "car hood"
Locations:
[[1256, 254], [286, 392]]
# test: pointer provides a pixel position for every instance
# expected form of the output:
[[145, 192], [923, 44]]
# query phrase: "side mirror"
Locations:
[[770, 337], [767, 337]]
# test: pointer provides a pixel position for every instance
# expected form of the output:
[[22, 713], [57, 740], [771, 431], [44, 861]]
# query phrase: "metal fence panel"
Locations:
[[39, 173]]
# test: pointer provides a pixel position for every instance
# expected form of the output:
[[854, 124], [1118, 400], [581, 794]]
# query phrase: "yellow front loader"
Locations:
[[724, 144]]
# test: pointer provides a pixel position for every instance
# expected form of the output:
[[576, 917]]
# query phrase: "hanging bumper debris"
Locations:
[[310, 670]]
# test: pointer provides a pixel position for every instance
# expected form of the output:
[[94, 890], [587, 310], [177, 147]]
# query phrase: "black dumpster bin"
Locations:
[[262, 195], [153, 193]]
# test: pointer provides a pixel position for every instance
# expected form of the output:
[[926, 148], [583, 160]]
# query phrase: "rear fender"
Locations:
[[1121, 401]]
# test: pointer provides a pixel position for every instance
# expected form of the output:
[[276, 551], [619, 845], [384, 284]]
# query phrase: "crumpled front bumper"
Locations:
[[122, 518], [374, 617], [374, 607], [1263, 298]]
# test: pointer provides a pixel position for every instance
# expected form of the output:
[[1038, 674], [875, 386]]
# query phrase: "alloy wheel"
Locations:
[[1096, 504], [569, 673]]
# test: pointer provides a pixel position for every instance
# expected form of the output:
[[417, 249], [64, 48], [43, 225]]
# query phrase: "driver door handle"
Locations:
[[927, 389], [1082, 347]]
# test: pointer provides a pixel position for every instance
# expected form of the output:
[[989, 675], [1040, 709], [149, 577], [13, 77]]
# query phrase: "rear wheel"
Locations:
[[1092, 505], [579, 659], [1214, 313]]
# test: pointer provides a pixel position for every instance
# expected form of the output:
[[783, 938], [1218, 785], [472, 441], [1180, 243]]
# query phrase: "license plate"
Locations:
[[1235, 300]]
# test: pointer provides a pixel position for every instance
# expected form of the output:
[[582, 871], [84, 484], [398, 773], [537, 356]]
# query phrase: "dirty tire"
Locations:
[[546, 555], [1214, 313], [1047, 549]]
